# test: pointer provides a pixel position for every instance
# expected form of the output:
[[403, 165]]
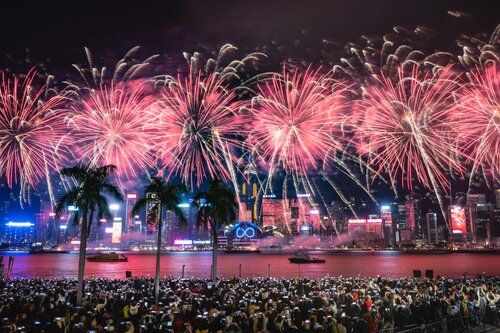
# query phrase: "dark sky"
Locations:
[[59, 29]]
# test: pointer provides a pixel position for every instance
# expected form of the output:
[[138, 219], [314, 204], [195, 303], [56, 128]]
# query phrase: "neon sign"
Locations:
[[19, 224], [245, 232], [183, 242]]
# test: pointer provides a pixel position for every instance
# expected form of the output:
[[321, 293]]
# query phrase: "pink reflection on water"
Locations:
[[198, 265]]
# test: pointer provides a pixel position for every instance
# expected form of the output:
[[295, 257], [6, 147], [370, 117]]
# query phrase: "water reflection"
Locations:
[[198, 264]]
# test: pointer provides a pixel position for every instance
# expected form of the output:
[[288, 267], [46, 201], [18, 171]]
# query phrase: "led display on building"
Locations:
[[458, 220]]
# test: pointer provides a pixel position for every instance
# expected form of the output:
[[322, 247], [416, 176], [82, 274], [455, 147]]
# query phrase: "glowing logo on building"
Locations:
[[246, 230], [245, 233]]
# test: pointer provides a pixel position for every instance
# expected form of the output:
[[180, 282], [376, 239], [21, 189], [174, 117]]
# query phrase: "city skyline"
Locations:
[[356, 134]]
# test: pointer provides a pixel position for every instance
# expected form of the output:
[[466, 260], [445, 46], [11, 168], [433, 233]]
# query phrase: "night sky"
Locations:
[[56, 32], [59, 30]]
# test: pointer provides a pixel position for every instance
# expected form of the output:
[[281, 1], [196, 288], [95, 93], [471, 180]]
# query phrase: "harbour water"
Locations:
[[197, 264]]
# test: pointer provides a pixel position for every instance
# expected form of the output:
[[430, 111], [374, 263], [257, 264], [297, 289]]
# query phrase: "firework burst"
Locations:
[[31, 128], [108, 126], [478, 121], [198, 125], [406, 128], [298, 125], [298, 120]]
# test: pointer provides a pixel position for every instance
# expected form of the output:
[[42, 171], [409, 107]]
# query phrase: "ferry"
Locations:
[[303, 258], [231, 250], [47, 250], [107, 257]]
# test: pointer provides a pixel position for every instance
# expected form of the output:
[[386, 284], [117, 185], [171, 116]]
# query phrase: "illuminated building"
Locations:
[[248, 193], [174, 231], [291, 216], [130, 201], [19, 234], [475, 199], [495, 228], [337, 212], [413, 216], [386, 216], [480, 218], [431, 228], [461, 228], [244, 234], [366, 232], [276, 213], [400, 216]]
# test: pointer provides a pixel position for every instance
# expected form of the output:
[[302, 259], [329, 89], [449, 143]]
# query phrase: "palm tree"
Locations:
[[88, 196], [169, 197], [217, 206]]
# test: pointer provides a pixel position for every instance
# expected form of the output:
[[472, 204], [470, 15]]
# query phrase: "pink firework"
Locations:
[[298, 120], [198, 126], [478, 121], [406, 127], [31, 127], [109, 128]]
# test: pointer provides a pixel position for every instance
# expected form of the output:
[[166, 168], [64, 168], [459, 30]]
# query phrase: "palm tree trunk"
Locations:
[[81, 260], [158, 252], [215, 243]]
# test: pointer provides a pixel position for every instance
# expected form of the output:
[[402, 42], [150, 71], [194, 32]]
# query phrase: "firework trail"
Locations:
[[126, 69], [406, 128], [226, 64], [31, 128], [400, 50], [198, 127], [109, 127], [478, 121], [479, 51]]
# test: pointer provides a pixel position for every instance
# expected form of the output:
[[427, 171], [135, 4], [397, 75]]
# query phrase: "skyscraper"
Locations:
[[386, 216], [480, 218], [432, 228], [475, 199], [413, 216]]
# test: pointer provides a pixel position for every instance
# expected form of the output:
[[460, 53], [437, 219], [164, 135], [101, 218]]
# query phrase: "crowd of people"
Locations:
[[257, 305]]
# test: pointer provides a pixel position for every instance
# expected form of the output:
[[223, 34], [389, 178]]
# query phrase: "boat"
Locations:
[[107, 257], [303, 258], [231, 250], [47, 250]]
